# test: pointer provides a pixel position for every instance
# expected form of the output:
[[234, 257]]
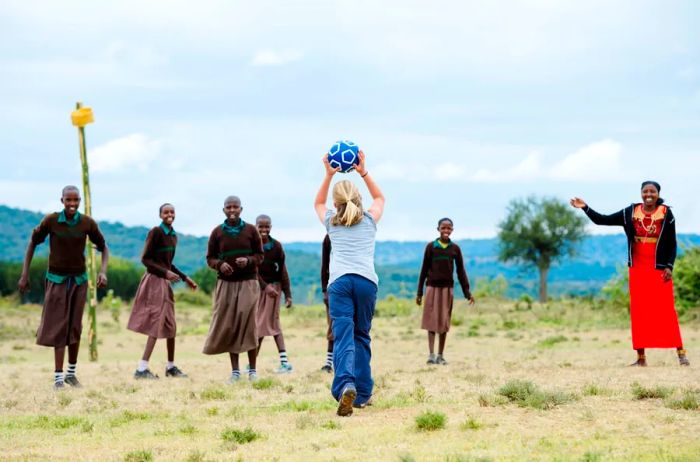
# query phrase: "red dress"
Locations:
[[652, 310]]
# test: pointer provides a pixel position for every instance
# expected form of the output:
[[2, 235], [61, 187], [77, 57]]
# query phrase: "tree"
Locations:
[[539, 232]]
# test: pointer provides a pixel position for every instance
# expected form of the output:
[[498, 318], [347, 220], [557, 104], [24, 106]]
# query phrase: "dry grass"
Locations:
[[564, 350]]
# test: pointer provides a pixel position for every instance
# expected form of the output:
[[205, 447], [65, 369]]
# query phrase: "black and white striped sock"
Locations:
[[58, 377], [329, 359], [283, 357], [235, 374], [71, 370], [252, 373]]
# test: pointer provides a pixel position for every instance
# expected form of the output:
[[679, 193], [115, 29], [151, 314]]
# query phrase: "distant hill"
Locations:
[[398, 263]]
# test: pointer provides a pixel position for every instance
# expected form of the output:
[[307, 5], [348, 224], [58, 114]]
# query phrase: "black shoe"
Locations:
[[58, 385], [346, 399], [175, 372], [147, 374], [73, 381], [327, 368]]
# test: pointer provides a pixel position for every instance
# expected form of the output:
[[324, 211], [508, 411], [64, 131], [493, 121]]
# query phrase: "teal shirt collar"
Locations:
[[436, 244], [72, 222], [168, 230], [269, 245], [233, 231]]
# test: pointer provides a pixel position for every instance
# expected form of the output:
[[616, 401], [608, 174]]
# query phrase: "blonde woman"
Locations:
[[352, 290]]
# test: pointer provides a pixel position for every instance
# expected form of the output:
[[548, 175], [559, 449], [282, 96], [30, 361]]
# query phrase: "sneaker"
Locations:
[[363, 405], [146, 374], [175, 372], [327, 368], [285, 368], [58, 385], [253, 377], [431, 360], [347, 398], [683, 360], [233, 379], [440, 360], [640, 362], [73, 381]]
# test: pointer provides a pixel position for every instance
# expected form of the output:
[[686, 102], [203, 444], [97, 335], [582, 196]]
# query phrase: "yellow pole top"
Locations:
[[81, 117]]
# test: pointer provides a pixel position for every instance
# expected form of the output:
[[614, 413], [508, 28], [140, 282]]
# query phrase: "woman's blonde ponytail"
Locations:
[[348, 203]]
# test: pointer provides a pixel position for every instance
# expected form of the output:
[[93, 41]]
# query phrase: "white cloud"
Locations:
[[529, 168], [594, 162], [135, 151], [449, 171], [275, 58]]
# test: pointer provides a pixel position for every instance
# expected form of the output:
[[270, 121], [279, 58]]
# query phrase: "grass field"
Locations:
[[523, 383]]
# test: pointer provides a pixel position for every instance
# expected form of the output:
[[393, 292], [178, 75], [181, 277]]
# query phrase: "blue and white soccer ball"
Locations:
[[344, 154]]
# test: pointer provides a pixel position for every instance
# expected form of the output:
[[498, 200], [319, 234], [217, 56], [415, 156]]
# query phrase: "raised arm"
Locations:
[[322, 194], [615, 219], [377, 207]]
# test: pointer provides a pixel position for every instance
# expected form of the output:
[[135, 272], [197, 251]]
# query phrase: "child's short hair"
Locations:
[[262, 216], [445, 219], [160, 209], [68, 188]]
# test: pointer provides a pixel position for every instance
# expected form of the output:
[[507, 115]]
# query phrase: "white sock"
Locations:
[[143, 365], [58, 376], [71, 370], [169, 365]]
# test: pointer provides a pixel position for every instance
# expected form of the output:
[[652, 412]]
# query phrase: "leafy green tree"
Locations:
[[205, 278], [539, 232], [686, 277]]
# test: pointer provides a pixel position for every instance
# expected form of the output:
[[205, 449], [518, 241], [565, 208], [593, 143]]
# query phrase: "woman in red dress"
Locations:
[[651, 235]]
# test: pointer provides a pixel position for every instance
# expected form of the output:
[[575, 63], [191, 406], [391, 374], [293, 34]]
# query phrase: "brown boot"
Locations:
[[682, 358], [640, 362]]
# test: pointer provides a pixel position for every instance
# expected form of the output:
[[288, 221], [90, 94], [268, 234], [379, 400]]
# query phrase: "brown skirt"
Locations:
[[232, 328], [153, 313], [62, 316], [267, 318], [437, 309]]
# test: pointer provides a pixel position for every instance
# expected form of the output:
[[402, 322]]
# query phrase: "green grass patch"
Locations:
[[688, 401], [526, 394], [471, 424], [215, 393], [234, 435], [657, 392], [331, 425], [431, 421], [549, 342], [141, 455], [265, 383], [592, 389], [127, 417]]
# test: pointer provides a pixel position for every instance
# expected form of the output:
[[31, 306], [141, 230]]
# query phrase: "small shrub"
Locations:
[[526, 394], [431, 421], [593, 389], [214, 394], [139, 456], [331, 425], [233, 435], [188, 429], [471, 424], [658, 392]]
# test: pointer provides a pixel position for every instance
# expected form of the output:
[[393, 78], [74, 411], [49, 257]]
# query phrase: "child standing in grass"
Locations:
[[440, 259], [66, 280], [352, 289], [274, 281], [153, 313], [235, 252], [325, 262]]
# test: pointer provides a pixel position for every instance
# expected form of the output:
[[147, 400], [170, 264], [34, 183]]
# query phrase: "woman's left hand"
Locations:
[[360, 167], [668, 274], [330, 171]]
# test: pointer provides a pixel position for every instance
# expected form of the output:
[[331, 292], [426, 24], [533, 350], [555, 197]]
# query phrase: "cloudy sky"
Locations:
[[460, 106]]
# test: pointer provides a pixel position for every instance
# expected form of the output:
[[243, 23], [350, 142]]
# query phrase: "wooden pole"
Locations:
[[91, 261]]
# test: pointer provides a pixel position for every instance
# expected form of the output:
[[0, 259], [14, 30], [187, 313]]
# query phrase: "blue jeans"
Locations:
[[352, 299]]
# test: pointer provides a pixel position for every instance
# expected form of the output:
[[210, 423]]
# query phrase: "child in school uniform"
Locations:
[[66, 280], [235, 252], [153, 313], [274, 281], [325, 274], [440, 260]]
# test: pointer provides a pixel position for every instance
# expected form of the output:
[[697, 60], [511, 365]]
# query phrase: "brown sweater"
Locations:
[[67, 243], [226, 248], [325, 262], [273, 268], [439, 265], [159, 252]]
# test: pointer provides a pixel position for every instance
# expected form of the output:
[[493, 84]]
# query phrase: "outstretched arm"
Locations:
[[377, 207], [615, 219]]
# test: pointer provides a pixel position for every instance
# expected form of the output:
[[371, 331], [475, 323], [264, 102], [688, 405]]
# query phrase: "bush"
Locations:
[[232, 435], [205, 278], [658, 392], [616, 291], [526, 394], [686, 277], [430, 421], [689, 401], [195, 298]]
